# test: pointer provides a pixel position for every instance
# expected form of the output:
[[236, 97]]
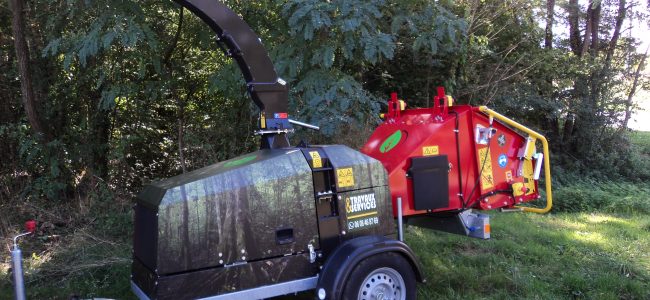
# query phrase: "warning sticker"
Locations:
[[430, 150], [345, 177], [528, 173], [502, 140], [315, 159], [508, 176], [485, 163]]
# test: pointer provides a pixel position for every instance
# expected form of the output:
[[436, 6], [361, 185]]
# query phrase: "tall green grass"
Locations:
[[88, 261], [642, 140], [588, 195]]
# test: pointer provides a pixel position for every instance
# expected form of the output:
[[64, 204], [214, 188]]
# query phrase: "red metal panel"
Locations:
[[431, 131]]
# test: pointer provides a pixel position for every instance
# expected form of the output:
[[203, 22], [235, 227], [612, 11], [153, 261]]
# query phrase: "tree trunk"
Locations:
[[172, 46], [100, 125], [630, 95], [181, 136], [567, 131], [595, 26], [550, 17], [617, 33], [22, 55], [574, 26], [586, 44]]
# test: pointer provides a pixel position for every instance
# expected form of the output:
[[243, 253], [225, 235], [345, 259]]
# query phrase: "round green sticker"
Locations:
[[391, 142], [240, 161]]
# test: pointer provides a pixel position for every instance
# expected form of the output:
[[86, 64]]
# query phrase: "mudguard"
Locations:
[[340, 264]]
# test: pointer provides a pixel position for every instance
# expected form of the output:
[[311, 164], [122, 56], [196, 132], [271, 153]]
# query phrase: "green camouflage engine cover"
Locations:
[[227, 213], [249, 221]]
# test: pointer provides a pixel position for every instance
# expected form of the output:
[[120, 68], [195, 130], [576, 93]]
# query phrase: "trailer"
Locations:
[[287, 219]]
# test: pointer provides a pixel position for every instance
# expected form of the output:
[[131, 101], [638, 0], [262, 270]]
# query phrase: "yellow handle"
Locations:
[[547, 157]]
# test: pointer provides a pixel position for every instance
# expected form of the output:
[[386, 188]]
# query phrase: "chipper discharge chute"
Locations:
[[444, 160]]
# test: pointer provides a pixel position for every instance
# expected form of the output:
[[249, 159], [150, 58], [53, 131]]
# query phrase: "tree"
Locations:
[[30, 103]]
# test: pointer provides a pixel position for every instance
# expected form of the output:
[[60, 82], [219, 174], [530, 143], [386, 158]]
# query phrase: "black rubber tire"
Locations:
[[384, 260]]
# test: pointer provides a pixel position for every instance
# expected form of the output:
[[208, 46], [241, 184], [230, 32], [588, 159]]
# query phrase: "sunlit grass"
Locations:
[[565, 256]]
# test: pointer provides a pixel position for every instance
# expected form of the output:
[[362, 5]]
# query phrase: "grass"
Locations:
[[92, 260], [642, 140], [563, 256], [556, 256]]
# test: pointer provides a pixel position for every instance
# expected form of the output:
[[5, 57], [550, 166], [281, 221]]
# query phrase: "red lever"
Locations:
[[440, 105], [30, 226], [393, 106]]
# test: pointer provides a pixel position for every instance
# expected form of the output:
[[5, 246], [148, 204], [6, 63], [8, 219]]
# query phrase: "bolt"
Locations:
[[343, 232], [243, 258], [220, 254], [221, 261], [243, 251]]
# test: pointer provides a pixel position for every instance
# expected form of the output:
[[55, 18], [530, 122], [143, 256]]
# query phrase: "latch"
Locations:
[[482, 135], [312, 253]]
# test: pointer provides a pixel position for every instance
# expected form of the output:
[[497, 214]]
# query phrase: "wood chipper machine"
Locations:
[[287, 219]]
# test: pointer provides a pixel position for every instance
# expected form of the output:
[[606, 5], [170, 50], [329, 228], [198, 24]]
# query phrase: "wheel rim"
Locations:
[[383, 284]]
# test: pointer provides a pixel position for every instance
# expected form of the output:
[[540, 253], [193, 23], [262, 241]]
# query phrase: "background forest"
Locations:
[[99, 97]]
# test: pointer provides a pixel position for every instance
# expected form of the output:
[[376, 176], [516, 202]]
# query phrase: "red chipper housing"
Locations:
[[450, 158]]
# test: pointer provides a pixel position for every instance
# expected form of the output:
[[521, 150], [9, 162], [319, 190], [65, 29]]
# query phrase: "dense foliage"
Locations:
[[123, 92], [99, 97]]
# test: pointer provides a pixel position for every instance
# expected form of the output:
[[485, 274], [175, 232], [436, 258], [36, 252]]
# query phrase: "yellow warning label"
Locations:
[[485, 163], [508, 176], [430, 150], [345, 177], [528, 173], [315, 159]]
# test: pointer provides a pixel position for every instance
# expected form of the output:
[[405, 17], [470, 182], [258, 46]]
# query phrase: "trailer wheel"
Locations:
[[385, 276]]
